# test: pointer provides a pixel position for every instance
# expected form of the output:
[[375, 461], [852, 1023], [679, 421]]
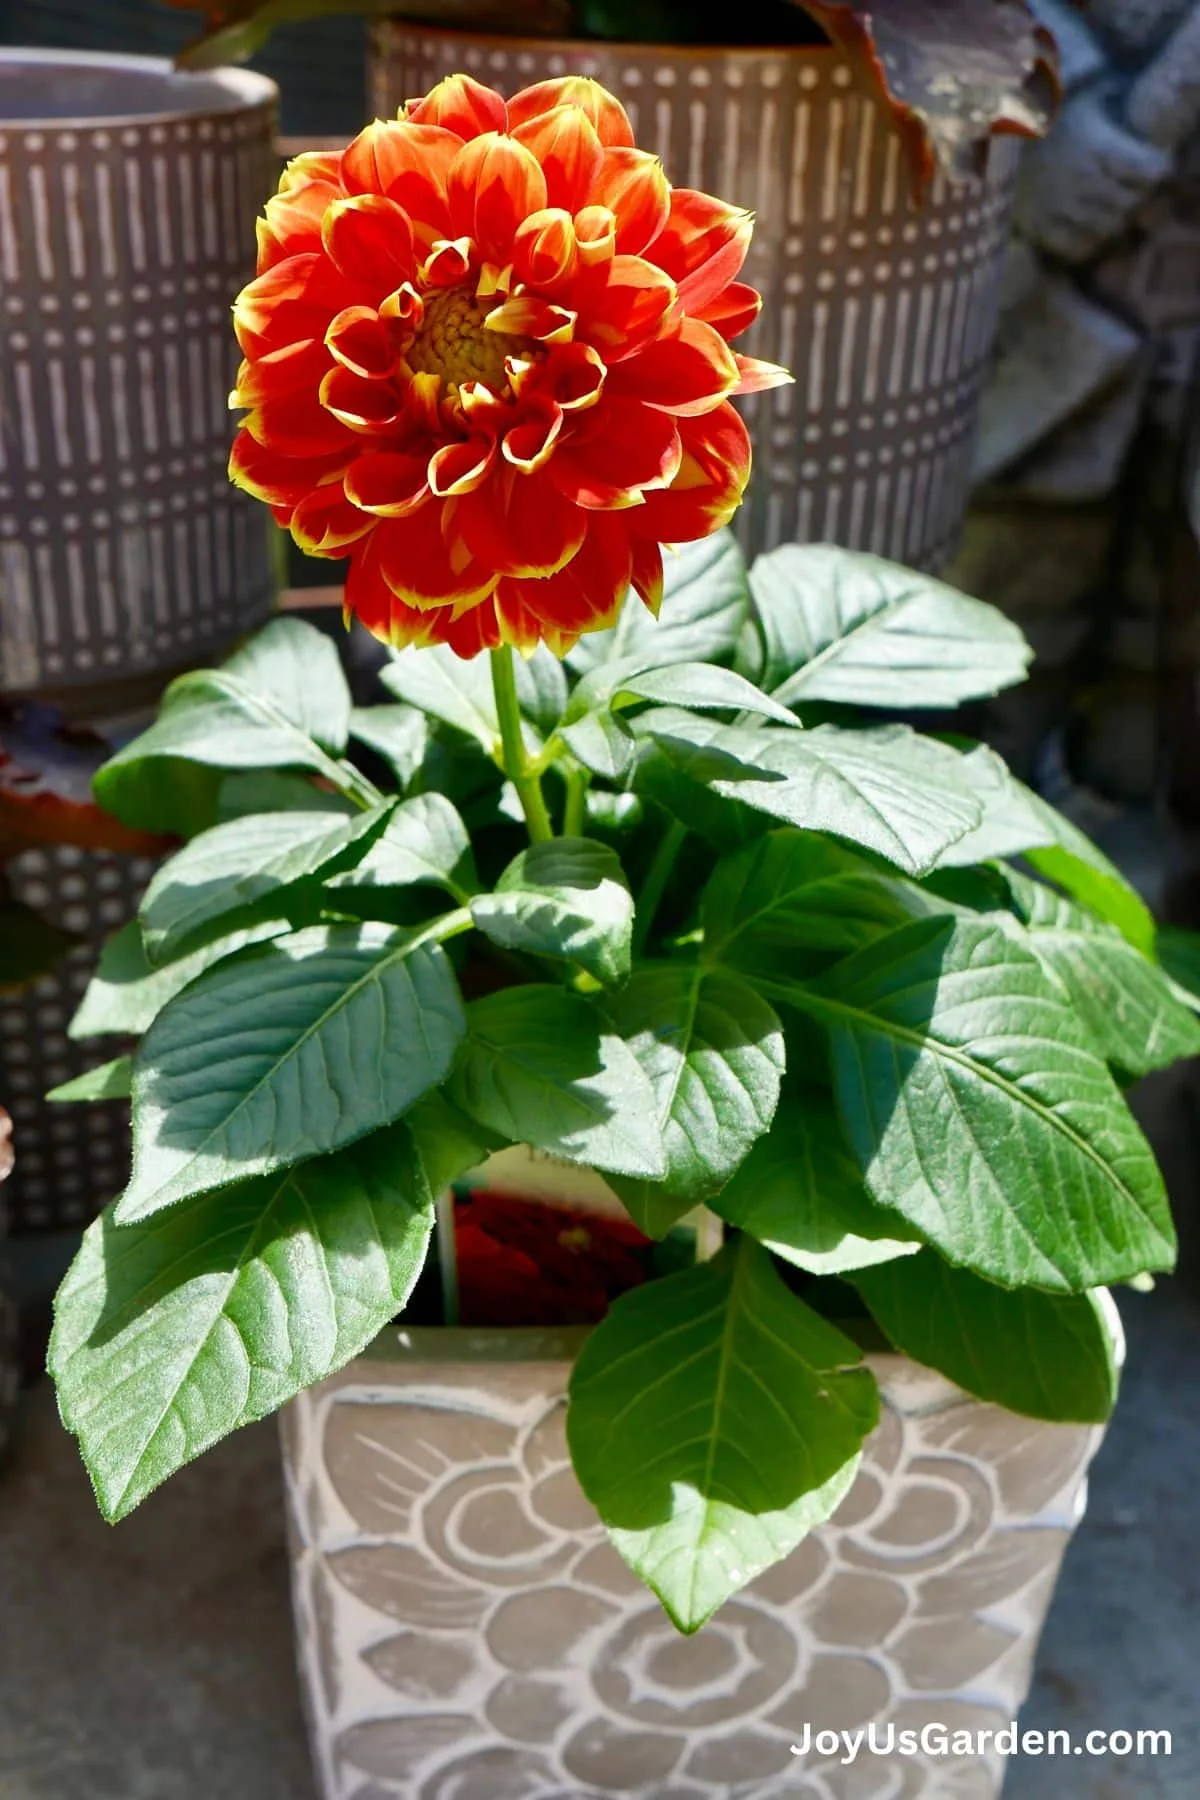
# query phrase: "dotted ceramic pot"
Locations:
[[883, 308], [128, 196]]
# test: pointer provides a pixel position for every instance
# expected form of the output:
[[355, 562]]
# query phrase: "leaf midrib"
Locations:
[[839, 644]]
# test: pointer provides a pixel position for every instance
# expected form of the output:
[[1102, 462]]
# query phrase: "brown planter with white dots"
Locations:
[[883, 308], [128, 196]]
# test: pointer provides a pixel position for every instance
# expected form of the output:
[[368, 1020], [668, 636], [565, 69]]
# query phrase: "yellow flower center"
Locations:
[[453, 342]]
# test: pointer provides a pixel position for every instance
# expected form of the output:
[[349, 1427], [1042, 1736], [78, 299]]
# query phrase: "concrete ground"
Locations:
[[153, 1661]]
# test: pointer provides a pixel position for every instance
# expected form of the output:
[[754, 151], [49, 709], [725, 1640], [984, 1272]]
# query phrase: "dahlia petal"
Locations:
[[528, 316], [281, 481], [604, 110], [688, 370], [294, 299], [630, 310], [448, 262], [494, 183], [296, 369], [573, 376], [735, 308], [570, 153], [462, 105], [709, 281], [294, 217], [407, 163], [360, 341], [625, 449], [325, 523], [647, 578], [323, 166], [298, 425], [370, 239], [545, 251], [423, 402], [585, 596], [425, 566], [698, 225], [370, 406], [711, 481], [754, 375], [460, 468], [634, 186], [387, 484], [518, 525], [529, 445], [596, 235]]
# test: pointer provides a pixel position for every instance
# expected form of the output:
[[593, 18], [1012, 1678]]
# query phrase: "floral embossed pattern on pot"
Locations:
[[468, 1633]]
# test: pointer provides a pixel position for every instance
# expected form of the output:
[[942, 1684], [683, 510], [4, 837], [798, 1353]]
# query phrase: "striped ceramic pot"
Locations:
[[467, 1631], [128, 198], [884, 309]]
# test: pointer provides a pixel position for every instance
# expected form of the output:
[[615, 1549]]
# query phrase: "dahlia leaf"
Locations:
[[247, 864], [108, 1081], [713, 1050], [1013, 822], [542, 1067], [171, 1333], [424, 840], [801, 1194], [713, 1421], [566, 899], [839, 625], [400, 734], [978, 1109], [888, 789], [1072, 862], [298, 1047], [126, 993], [1048, 1356], [297, 668], [698, 687], [706, 602], [441, 685]]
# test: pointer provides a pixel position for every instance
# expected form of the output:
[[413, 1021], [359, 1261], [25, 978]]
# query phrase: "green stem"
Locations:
[[447, 1257], [354, 784], [710, 1234], [574, 812], [516, 764], [655, 884]]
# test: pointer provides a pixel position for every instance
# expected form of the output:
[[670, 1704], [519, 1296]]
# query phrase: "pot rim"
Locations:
[[227, 90], [485, 1344], [697, 53]]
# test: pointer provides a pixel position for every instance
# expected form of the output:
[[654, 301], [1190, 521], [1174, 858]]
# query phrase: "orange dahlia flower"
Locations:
[[487, 358]]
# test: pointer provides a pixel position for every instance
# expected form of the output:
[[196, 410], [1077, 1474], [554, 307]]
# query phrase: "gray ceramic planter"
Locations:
[[128, 196], [884, 310], [466, 1632]]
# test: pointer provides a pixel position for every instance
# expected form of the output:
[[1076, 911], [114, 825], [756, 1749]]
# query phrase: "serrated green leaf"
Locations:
[[542, 1067], [1082, 870], [567, 899], [713, 1421], [248, 863], [602, 742], [978, 1110], [440, 684], [1125, 1003], [273, 790], [171, 1333], [706, 601], [541, 688], [297, 668], [713, 1052], [425, 840], [890, 790], [841, 625], [797, 890], [108, 1081], [1179, 954], [400, 734], [1011, 824], [801, 1194], [695, 686], [1049, 1356], [298, 1047], [126, 994]]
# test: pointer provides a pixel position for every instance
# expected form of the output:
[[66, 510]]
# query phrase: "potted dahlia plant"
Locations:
[[652, 920], [877, 146]]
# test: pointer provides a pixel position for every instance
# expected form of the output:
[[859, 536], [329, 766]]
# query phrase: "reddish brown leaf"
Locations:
[[46, 770], [6, 1149], [955, 72]]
